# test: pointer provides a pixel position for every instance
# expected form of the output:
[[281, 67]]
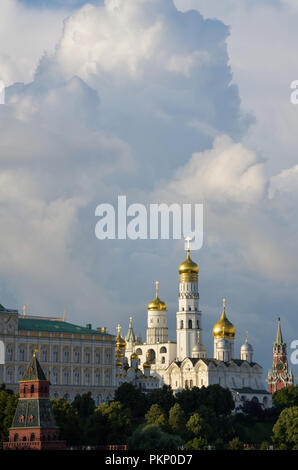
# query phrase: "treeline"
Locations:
[[194, 419]]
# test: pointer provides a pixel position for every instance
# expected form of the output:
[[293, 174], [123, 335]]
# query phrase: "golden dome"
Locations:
[[224, 328], [188, 270], [120, 342], [157, 304], [134, 356]]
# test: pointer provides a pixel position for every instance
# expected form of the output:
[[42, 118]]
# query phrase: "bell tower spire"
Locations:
[[188, 316]]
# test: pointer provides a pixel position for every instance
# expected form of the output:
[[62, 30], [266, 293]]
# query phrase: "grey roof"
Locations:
[[216, 362], [251, 390]]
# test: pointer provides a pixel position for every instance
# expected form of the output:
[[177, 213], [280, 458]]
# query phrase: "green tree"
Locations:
[[235, 444], [219, 399], [8, 404], [69, 422], [152, 437], [197, 443], [191, 399], [156, 416], [84, 405], [195, 425], [286, 397], [118, 425], [97, 429], [177, 420], [285, 430], [133, 398], [163, 397]]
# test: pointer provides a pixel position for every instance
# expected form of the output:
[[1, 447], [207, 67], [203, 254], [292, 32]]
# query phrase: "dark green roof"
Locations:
[[34, 413], [34, 371], [55, 326], [2, 309]]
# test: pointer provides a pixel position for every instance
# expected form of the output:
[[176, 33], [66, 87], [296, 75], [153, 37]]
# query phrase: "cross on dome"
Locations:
[[188, 240]]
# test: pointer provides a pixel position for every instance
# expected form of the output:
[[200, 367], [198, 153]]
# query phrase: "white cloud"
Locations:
[[228, 172], [25, 34]]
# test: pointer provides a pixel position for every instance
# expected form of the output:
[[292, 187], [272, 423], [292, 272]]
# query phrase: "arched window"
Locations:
[[151, 356], [163, 360], [77, 356], [55, 355], [186, 383], [32, 389], [9, 353], [32, 437], [97, 356], [163, 350], [181, 324], [97, 377], [87, 378], [55, 376], [139, 352], [16, 437], [22, 353], [190, 324], [77, 377], [190, 384], [9, 375]]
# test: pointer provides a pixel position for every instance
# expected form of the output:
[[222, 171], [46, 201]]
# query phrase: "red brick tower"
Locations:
[[280, 376], [34, 426]]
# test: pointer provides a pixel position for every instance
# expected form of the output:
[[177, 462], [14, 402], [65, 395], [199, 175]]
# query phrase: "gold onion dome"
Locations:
[[157, 304], [134, 356], [224, 328], [120, 342], [188, 270]]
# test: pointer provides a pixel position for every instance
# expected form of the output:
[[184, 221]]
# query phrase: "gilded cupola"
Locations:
[[157, 304], [188, 270], [224, 328]]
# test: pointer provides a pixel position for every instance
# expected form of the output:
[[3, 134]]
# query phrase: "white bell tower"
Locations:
[[188, 315]]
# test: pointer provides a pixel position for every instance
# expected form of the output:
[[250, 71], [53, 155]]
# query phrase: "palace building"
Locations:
[[75, 359], [184, 363]]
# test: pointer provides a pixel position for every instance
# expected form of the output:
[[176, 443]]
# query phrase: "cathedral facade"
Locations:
[[185, 363]]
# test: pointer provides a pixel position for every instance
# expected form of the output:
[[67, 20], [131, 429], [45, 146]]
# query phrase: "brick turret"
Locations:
[[34, 425]]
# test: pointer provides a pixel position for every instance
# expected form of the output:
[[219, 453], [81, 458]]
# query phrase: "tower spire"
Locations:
[[279, 339]]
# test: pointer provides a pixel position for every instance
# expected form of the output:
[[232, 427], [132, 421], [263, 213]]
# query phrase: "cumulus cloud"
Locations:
[[228, 172], [25, 35]]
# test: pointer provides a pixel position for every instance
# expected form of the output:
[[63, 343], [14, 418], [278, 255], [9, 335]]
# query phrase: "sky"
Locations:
[[161, 101]]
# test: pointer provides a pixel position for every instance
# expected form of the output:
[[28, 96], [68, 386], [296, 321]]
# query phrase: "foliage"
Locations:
[[285, 430], [286, 397], [117, 422], [69, 422], [132, 398], [195, 426], [156, 416], [84, 405], [214, 397], [151, 437], [235, 444], [163, 397], [197, 443], [8, 405], [177, 420]]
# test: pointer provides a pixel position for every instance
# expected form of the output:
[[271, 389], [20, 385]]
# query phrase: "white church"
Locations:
[[184, 363]]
